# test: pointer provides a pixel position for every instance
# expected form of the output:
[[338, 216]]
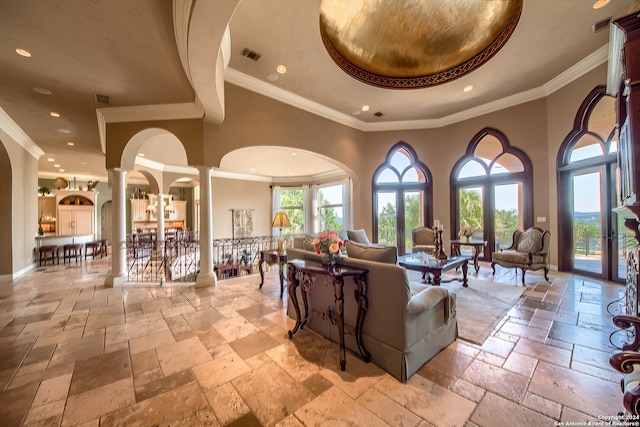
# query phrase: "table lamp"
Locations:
[[281, 220]]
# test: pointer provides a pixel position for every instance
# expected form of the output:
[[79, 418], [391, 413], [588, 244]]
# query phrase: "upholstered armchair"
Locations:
[[529, 250], [423, 240]]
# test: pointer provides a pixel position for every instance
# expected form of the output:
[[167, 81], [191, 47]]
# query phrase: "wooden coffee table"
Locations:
[[429, 265]]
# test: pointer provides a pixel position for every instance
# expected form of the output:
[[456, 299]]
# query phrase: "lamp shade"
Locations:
[[281, 220]]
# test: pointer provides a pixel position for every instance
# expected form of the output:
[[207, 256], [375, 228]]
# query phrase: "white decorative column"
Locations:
[[206, 277], [160, 218], [118, 274]]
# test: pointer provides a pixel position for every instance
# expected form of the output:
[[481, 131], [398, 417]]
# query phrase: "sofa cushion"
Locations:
[[530, 242], [377, 253], [358, 236]]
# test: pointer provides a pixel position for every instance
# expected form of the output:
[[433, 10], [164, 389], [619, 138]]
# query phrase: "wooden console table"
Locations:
[[306, 274], [272, 257], [476, 247]]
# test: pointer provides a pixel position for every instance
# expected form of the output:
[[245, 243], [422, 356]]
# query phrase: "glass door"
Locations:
[[413, 217], [507, 213], [589, 240], [386, 209]]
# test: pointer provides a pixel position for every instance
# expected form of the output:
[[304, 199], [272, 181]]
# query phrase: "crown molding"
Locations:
[[16, 133], [589, 63]]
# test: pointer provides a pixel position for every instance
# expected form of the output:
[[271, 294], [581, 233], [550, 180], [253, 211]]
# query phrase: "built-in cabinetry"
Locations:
[[76, 213], [624, 83], [47, 214], [144, 214]]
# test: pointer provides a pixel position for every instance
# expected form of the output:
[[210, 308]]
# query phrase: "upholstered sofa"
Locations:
[[423, 240], [529, 250], [406, 324]]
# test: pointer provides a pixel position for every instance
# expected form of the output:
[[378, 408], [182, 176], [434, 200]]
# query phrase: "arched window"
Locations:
[[401, 197], [491, 190], [591, 238]]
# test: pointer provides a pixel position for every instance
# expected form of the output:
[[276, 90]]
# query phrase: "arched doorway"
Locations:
[[591, 236], [491, 190], [402, 197]]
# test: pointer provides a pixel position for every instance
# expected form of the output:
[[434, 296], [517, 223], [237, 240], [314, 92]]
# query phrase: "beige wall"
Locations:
[[24, 206], [230, 194]]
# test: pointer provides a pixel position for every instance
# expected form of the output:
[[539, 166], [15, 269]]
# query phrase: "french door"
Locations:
[[597, 233], [398, 212]]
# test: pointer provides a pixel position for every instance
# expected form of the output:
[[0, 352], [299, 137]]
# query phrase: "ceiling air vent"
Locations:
[[102, 99], [378, 114], [602, 25], [251, 54]]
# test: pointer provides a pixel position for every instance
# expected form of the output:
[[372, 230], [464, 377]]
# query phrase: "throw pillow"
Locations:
[[385, 254], [358, 236], [530, 242]]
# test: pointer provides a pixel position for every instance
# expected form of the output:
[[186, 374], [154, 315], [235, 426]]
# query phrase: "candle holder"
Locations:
[[438, 253]]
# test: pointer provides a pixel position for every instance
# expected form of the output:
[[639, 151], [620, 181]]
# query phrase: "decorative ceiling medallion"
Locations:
[[408, 44]]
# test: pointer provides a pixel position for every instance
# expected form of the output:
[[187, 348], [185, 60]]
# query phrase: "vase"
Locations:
[[329, 261]]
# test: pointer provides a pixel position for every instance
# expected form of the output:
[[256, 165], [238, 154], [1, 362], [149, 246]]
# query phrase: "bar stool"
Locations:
[[103, 247], [71, 251], [48, 253], [95, 249]]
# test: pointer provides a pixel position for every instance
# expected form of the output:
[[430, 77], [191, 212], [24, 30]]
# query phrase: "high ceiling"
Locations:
[[127, 50]]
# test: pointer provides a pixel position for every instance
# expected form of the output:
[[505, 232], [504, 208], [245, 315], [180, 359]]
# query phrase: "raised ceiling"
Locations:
[[127, 50]]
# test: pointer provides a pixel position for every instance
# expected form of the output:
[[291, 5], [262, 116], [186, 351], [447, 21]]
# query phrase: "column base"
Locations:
[[112, 281], [205, 280]]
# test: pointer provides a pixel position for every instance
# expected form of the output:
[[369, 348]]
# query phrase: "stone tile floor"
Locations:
[[75, 353]]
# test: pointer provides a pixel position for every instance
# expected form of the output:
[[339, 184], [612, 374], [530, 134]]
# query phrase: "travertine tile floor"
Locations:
[[75, 353]]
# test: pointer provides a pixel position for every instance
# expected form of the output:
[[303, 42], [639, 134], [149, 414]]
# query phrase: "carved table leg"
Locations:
[[361, 299], [293, 295], [281, 279], [262, 270], [436, 277], [465, 267], [338, 288]]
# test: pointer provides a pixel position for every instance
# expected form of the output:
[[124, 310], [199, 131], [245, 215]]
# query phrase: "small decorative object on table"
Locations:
[[328, 245], [465, 231]]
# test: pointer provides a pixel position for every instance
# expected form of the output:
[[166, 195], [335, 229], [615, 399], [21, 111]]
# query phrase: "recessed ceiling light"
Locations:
[[272, 77], [64, 131], [60, 170], [365, 108], [23, 52], [468, 88], [42, 91], [54, 114], [281, 69], [51, 159], [600, 3], [356, 113], [294, 154], [252, 169], [71, 143], [55, 165], [141, 154], [83, 163]]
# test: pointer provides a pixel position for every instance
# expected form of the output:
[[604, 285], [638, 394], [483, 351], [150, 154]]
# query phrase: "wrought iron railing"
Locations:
[[233, 257], [173, 260], [178, 259]]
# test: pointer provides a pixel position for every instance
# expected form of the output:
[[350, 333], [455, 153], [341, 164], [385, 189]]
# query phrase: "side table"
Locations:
[[272, 257], [306, 274], [476, 247]]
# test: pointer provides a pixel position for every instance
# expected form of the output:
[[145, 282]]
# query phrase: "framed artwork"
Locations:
[[242, 220]]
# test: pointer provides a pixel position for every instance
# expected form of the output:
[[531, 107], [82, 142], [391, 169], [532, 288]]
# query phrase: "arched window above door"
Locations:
[[490, 156], [594, 131], [401, 197]]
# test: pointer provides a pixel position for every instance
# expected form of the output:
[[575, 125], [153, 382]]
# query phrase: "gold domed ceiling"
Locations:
[[406, 44]]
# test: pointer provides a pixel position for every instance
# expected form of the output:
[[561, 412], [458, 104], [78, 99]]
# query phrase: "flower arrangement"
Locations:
[[328, 245]]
